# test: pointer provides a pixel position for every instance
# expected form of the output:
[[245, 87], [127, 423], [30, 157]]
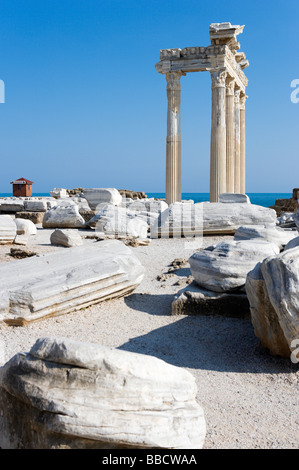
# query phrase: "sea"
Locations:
[[260, 199]]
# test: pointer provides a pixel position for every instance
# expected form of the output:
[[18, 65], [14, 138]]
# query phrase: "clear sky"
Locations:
[[84, 105]]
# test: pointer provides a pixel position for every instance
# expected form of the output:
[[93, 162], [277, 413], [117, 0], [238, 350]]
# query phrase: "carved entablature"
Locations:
[[222, 53]]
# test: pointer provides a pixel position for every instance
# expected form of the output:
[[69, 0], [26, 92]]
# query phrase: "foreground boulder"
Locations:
[[96, 196], [224, 267], [80, 395], [273, 291], [189, 220], [8, 229], [64, 215], [66, 237], [67, 280], [270, 233]]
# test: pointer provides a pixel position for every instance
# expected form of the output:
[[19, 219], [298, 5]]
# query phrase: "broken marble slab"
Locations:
[[67, 280], [35, 205], [229, 198], [205, 218], [79, 395], [224, 267], [266, 232], [98, 196], [64, 215], [119, 222], [194, 300], [11, 205], [272, 288], [8, 229]]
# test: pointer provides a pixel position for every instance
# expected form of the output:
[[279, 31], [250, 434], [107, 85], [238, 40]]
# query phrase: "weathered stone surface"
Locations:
[[128, 193], [270, 233], [187, 220], [234, 198], [287, 205], [193, 300], [21, 253], [35, 217], [25, 227], [8, 229], [292, 244], [66, 237], [64, 215], [65, 281], [224, 267], [58, 193], [11, 205], [87, 214], [80, 395], [119, 223], [273, 293], [286, 220], [145, 205], [96, 196], [35, 205], [296, 220]]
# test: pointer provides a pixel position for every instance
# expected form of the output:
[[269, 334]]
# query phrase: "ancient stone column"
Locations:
[[230, 135], [218, 135], [173, 140], [243, 98], [237, 187]]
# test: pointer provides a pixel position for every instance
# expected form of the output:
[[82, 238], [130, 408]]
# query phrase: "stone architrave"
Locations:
[[173, 139]]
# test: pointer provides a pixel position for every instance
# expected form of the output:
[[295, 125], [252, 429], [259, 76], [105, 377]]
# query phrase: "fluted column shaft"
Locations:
[[218, 135], [173, 139], [243, 98], [237, 187], [230, 136]]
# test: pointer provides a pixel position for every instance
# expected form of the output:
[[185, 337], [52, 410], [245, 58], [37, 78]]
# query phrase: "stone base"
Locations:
[[193, 300]]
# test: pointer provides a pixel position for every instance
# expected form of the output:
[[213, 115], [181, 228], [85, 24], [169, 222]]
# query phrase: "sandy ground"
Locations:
[[250, 398]]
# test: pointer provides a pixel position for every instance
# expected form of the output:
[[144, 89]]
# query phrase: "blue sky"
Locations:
[[84, 105]]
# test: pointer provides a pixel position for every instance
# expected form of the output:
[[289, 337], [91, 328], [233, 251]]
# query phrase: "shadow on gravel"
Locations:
[[203, 342]]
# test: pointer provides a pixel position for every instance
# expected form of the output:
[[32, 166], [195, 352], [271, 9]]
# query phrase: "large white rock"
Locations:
[[25, 227], [8, 229], [119, 222], [224, 267], [234, 198], [181, 219], [272, 288], [266, 232], [67, 280], [80, 395], [66, 237], [97, 196], [64, 215]]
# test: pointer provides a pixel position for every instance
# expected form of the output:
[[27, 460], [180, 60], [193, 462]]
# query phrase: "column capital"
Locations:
[[218, 77], [237, 94], [243, 98], [230, 86], [173, 80]]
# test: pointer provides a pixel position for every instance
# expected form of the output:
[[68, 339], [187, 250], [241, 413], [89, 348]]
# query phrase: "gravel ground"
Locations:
[[250, 398]]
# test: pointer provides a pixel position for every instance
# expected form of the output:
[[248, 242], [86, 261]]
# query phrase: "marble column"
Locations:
[[218, 135], [173, 140], [243, 98], [237, 187], [230, 136]]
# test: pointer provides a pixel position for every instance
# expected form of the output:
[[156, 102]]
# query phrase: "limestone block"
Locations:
[[145, 205], [119, 222], [182, 219], [11, 205], [58, 193], [75, 395], [270, 233], [66, 280], [66, 237], [96, 196], [273, 293], [25, 227], [224, 267], [194, 300], [64, 215], [35, 205], [233, 198], [8, 229], [35, 217]]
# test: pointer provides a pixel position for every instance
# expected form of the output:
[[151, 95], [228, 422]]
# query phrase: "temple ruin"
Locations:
[[225, 63]]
